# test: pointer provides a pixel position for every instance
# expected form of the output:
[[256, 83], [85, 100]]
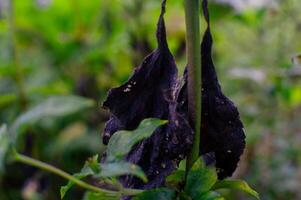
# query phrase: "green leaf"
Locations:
[[55, 106], [122, 142], [88, 169], [198, 164], [211, 195], [114, 169], [175, 179], [64, 189], [120, 168], [100, 196], [105, 170], [4, 146], [199, 180], [237, 185], [84, 173], [156, 194], [182, 165], [93, 164]]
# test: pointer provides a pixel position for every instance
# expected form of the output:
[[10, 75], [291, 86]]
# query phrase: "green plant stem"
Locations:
[[14, 56], [192, 10], [44, 166]]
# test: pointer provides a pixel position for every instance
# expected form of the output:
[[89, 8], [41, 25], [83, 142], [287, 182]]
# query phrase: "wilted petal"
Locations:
[[160, 155], [147, 92], [221, 131], [151, 92]]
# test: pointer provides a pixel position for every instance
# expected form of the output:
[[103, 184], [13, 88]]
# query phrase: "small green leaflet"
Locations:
[[236, 184], [199, 180], [105, 170], [86, 171], [55, 106], [198, 164], [100, 196], [157, 194], [122, 142], [211, 195], [118, 169], [175, 179]]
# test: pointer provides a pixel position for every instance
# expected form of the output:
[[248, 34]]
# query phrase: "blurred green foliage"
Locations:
[[54, 48]]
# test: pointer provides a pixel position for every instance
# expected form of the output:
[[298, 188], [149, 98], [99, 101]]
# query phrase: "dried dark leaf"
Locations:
[[151, 93], [147, 93], [160, 155], [222, 131]]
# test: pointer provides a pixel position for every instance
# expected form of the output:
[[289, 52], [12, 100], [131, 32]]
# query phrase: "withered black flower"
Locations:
[[146, 93], [153, 91], [222, 134]]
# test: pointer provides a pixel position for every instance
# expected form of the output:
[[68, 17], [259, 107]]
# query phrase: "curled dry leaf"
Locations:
[[222, 134], [153, 92], [147, 93]]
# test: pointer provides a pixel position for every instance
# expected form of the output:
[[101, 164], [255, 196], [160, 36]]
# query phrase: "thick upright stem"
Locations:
[[192, 10]]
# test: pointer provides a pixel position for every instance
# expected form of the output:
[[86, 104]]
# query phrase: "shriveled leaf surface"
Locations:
[[160, 154], [148, 91], [237, 185], [222, 130], [151, 92], [224, 134], [156, 194]]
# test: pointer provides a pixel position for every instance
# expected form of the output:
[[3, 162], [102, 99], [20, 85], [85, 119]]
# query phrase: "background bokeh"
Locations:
[[59, 48]]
